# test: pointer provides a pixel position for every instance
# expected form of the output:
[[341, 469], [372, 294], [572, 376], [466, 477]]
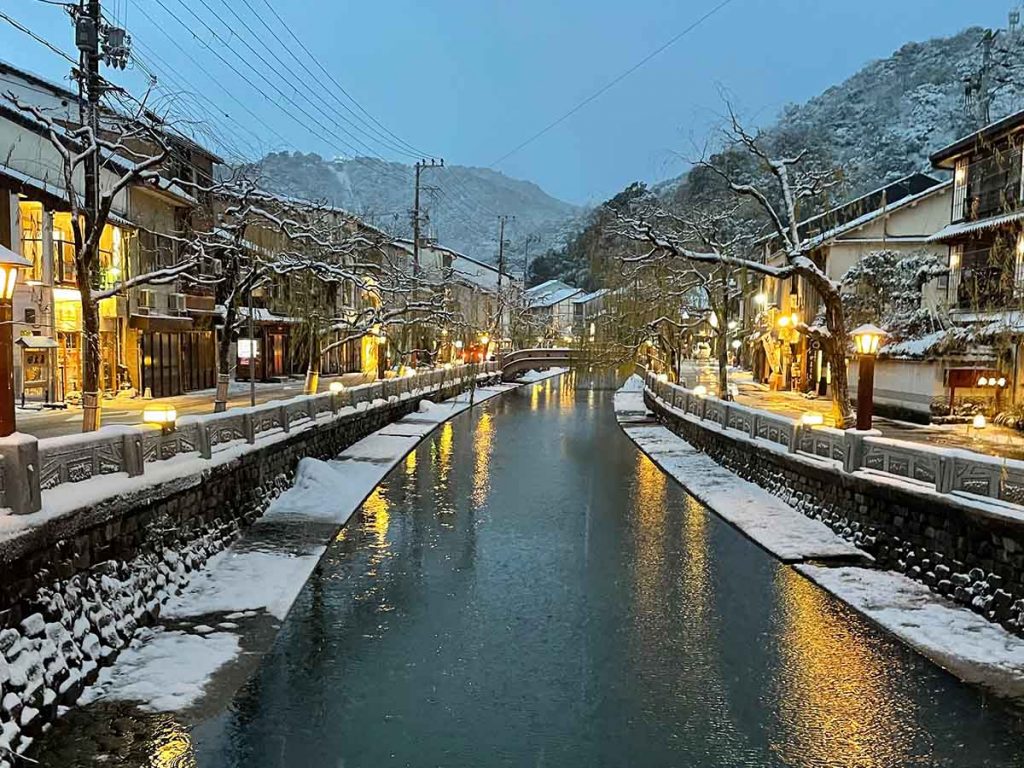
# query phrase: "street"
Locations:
[[51, 423]]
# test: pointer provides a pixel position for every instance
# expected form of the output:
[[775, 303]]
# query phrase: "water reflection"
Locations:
[[173, 748], [483, 439], [837, 700], [571, 607]]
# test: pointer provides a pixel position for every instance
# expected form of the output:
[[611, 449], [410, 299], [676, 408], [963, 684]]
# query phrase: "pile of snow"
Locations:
[[633, 384], [425, 405]]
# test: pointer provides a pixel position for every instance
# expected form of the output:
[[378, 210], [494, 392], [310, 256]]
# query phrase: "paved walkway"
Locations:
[[123, 410], [993, 440]]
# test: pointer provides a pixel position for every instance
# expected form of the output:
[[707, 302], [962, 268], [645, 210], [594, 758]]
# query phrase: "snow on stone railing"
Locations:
[[946, 470], [30, 466]]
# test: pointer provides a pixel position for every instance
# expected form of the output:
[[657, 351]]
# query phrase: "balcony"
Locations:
[[982, 288]]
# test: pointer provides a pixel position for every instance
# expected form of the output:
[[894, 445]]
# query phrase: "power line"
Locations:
[[363, 127], [335, 82], [614, 81], [22, 28]]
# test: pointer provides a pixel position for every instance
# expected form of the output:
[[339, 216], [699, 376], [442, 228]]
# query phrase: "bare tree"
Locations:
[[785, 185], [129, 149]]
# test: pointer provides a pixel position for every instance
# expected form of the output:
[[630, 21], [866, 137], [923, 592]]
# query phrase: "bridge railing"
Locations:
[[944, 470], [30, 466]]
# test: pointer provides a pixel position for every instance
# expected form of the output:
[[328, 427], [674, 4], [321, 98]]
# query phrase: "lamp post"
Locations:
[[866, 339], [10, 263]]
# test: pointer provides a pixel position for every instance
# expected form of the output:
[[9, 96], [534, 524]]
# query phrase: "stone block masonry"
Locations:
[[74, 588], [971, 550]]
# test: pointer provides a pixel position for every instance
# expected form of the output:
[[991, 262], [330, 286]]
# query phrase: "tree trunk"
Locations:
[[91, 361], [220, 403], [723, 366], [837, 345], [313, 364]]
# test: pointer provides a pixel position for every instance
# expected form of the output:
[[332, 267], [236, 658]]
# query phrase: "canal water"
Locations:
[[527, 589]]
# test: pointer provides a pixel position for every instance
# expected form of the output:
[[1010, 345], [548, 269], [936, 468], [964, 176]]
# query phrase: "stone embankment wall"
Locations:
[[73, 590], [971, 551]]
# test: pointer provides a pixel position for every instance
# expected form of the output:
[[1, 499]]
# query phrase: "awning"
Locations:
[[36, 342], [160, 323], [951, 231]]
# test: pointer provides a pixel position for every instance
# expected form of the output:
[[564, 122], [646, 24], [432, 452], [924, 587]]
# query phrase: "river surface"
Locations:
[[526, 589]]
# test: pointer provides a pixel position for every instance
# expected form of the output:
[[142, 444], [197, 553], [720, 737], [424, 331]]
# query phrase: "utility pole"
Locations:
[[87, 38], [502, 220], [420, 166]]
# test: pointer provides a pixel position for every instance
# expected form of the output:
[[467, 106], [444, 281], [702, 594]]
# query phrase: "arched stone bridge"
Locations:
[[522, 360]]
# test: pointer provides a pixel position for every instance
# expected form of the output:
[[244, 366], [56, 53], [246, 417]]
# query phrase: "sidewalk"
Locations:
[[123, 410], [993, 440]]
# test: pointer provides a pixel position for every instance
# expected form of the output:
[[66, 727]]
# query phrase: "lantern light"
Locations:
[[979, 421], [783, 321], [10, 263], [1002, 381], [983, 381], [736, 344], [812, 419], [700, 390], [761, 299], [458, 343], [867, 338], [163, 416], [485, 339], [336, 388], [733, 325]]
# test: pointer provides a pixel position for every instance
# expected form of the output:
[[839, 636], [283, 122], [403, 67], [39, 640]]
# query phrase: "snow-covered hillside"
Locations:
[[461, 204]]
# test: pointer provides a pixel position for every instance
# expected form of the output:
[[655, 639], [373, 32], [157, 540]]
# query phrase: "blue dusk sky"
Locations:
[[469, 81]]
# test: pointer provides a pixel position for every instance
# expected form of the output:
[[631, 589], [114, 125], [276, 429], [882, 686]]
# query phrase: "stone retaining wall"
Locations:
[[968, 550], [73, 590]]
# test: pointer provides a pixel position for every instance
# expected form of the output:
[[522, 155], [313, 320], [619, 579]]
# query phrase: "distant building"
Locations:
[[549, 310]]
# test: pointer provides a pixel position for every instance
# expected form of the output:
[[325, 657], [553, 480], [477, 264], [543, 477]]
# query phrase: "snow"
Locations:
[[262, 573], [165, 670], [777, 527], [770, 522], [531, 377], [954, 637]]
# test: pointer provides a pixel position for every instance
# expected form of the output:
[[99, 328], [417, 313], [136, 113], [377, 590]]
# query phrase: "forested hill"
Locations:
[[461, 204], [878, 125]]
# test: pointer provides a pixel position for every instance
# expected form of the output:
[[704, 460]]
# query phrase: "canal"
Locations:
[[527, 589]]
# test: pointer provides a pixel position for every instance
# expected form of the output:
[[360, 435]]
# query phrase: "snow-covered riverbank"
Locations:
[[954, 637], [211, 636]]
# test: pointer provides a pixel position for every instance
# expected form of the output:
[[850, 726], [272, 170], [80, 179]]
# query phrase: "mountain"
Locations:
[[878, 125], [885, 121], [461, 204]]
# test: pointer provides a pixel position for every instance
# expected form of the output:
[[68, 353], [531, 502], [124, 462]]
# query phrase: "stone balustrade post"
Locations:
[[203, 439], [248, 428], [945, 476], [282, 415], [753, 425], [854, 456], [131, 450], [20, 454]]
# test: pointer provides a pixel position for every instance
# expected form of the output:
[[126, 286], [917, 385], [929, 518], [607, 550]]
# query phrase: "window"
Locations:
[[32, 236]]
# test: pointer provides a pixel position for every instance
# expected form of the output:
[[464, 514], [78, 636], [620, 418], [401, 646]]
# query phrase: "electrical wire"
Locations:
[[613, 82]]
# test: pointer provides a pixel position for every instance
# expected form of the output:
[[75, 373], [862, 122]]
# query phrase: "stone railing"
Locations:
[[946, 470], [30, 466]]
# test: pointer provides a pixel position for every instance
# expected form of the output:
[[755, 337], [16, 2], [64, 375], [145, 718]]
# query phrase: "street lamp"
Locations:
[[10, 263], [163, 416], [866, 339]]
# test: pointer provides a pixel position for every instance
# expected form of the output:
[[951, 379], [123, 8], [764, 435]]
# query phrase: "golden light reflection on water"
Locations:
[[483, 440], [835, 700], [442, 452], [410, 463], [535, 396], [377, 516], [649, 536], [696, 567], [172, 748]]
